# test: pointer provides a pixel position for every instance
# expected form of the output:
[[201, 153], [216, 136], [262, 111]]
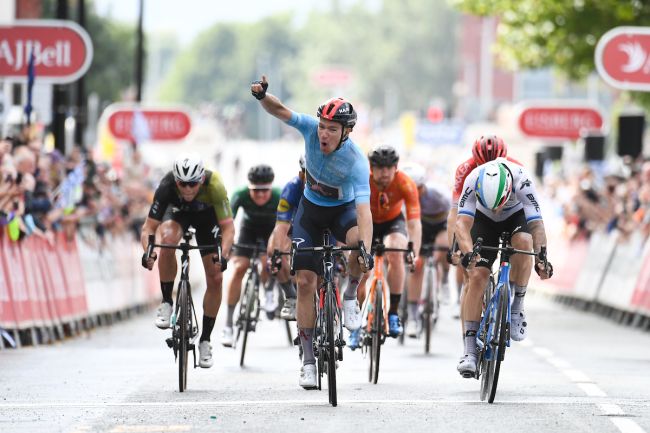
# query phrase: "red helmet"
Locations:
[[338, 110], [488, 148]]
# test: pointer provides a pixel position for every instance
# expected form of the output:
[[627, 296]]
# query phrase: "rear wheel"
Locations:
[[429, 314], [245, 322], [330, 306], [376, 333], [183, 334]]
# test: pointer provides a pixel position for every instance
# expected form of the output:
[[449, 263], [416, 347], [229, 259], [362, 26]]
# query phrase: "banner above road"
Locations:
[[62, 50], [559, 119], [623, 58], [131, 122]]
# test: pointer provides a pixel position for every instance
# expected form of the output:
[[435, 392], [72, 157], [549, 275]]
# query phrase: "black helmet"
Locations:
[[261, 174], [338, 110], [383, 156]]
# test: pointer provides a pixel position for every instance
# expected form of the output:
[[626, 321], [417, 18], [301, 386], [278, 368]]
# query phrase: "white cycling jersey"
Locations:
[[523, 195]]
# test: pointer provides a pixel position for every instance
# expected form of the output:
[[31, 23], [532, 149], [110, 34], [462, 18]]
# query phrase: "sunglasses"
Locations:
[[260, 190], [191, 184]]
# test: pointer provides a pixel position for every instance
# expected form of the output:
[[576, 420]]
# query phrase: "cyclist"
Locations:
[[190, 195], [258, 202], [498, 197], [486, 148], [434, 208], [280, 240], [336, 197], [390, 190]]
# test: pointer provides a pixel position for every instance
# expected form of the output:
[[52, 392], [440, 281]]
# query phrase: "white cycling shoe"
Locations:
[[163, 315], [412, 328], [519, 330], [308, 376], [351, 314], [288, 311], [467, 366], [226, 336], [205, 354]]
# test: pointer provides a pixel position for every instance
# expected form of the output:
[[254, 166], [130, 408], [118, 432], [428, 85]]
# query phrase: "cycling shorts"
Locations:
[[204, 222], [396, 225], [252, 236], [309, 224], [430, 232], [491, 230]]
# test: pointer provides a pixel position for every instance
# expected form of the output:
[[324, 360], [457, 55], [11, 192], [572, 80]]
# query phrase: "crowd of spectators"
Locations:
[[44, 192], [614, 199]]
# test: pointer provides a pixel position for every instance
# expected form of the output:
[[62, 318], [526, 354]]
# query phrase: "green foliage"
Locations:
[[558, 33]]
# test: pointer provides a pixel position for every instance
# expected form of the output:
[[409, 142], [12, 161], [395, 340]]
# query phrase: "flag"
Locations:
[[31, 74], [140, 128]]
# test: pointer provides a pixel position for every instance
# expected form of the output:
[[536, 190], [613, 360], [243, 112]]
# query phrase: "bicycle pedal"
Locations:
[[296, 341], [190, 347], [170, 342]]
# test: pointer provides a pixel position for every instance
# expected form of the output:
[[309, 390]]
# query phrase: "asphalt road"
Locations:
[[576, 373]]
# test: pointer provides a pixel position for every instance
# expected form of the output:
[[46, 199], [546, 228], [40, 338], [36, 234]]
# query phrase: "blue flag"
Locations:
[[31, 74]]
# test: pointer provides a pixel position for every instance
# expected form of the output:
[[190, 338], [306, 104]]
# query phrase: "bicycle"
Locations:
[[375, 316], [329, 342], [493, 335], [184, 323], [249, 306]]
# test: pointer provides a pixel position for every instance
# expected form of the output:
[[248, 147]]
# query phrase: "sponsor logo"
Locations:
[[283, 205], [516, 229], [525, 184], [298, 241], [215, 230], [531, 197], [466, 194]]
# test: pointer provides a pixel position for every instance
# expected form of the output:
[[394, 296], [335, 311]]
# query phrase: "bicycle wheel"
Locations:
[[245, 322], [403, 311], [500, 344], [330, 306], [183, 328], [428, 313], [485, 365], [376, 334]]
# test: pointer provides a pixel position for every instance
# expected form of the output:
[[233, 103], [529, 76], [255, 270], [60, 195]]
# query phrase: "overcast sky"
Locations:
[[188, 17]]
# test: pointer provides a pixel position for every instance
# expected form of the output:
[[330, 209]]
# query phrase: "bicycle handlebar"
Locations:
[[185, 247], [334, 249]]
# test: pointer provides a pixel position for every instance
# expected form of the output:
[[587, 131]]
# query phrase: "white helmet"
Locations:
[[494, 185], [415, 172], [188, 167]]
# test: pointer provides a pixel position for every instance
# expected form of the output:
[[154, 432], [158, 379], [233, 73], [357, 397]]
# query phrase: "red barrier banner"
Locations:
[[55, 285], [7, 313], [43, 310], [13, 263], [70, 268], [641, 295]]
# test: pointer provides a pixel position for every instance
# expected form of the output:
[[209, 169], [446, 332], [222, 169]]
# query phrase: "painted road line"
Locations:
[[543, 352], [576, 375], [558, 362], [592, 390], [626, 425], [610, 409]]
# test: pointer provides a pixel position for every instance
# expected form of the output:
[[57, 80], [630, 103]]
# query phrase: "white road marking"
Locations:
[[592, 390], [149, 428], [576, 375], [626, 425], [610, 409], [558, 362], [543, 352]]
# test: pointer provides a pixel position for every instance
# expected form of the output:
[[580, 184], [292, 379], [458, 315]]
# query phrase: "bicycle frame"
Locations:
[[503, 283], [377, 276]]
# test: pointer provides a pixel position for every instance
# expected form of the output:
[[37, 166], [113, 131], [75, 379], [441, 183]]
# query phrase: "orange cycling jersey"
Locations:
[[386, 204]]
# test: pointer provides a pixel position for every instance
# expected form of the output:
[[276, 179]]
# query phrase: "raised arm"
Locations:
[[269, 102]]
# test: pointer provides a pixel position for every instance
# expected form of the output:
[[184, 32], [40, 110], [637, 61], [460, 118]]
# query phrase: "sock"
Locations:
[[208, 325], [166, 288], [306, 339], [394, 303], [288, 289], [351, 289], [414, 310], [470, 337], [518, 302], [229, 314]]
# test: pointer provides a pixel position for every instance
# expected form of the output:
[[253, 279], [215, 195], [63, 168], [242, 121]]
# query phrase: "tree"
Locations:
[[560, 34]]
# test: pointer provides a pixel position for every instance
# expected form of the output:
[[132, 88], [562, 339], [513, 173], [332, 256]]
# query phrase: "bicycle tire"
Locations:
[[376, 334], [330, 305], [502, 319], [427, 316], [249, 298], [404, 313], [184, 326], [483, 363]]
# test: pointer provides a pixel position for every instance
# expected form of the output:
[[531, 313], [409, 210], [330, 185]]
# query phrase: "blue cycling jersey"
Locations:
[[337, 178], [289, 199]]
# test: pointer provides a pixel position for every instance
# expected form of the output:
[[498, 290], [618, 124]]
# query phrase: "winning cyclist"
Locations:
[[336, 197], [434, 208], [497, 197], [390, 190], [280, 240], [486, 148], [190, 195], [258, 201]]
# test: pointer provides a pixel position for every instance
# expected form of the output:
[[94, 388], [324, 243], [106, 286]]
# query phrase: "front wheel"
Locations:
[[486, 365], [331, 305], [183, 326], [500, 344], [245, 322], [376, 334]]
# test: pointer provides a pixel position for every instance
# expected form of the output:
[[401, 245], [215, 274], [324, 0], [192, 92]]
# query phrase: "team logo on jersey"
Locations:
[[466, 194], [283, 205], [531, 197], [524, 184]]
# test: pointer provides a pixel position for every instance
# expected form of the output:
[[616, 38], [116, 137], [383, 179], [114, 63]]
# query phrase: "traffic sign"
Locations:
[[62, 50], [558, 119], [163, 124], [623, 58]]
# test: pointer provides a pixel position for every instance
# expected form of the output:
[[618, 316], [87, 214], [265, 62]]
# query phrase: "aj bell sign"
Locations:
[[623, 58], [62, 50]]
